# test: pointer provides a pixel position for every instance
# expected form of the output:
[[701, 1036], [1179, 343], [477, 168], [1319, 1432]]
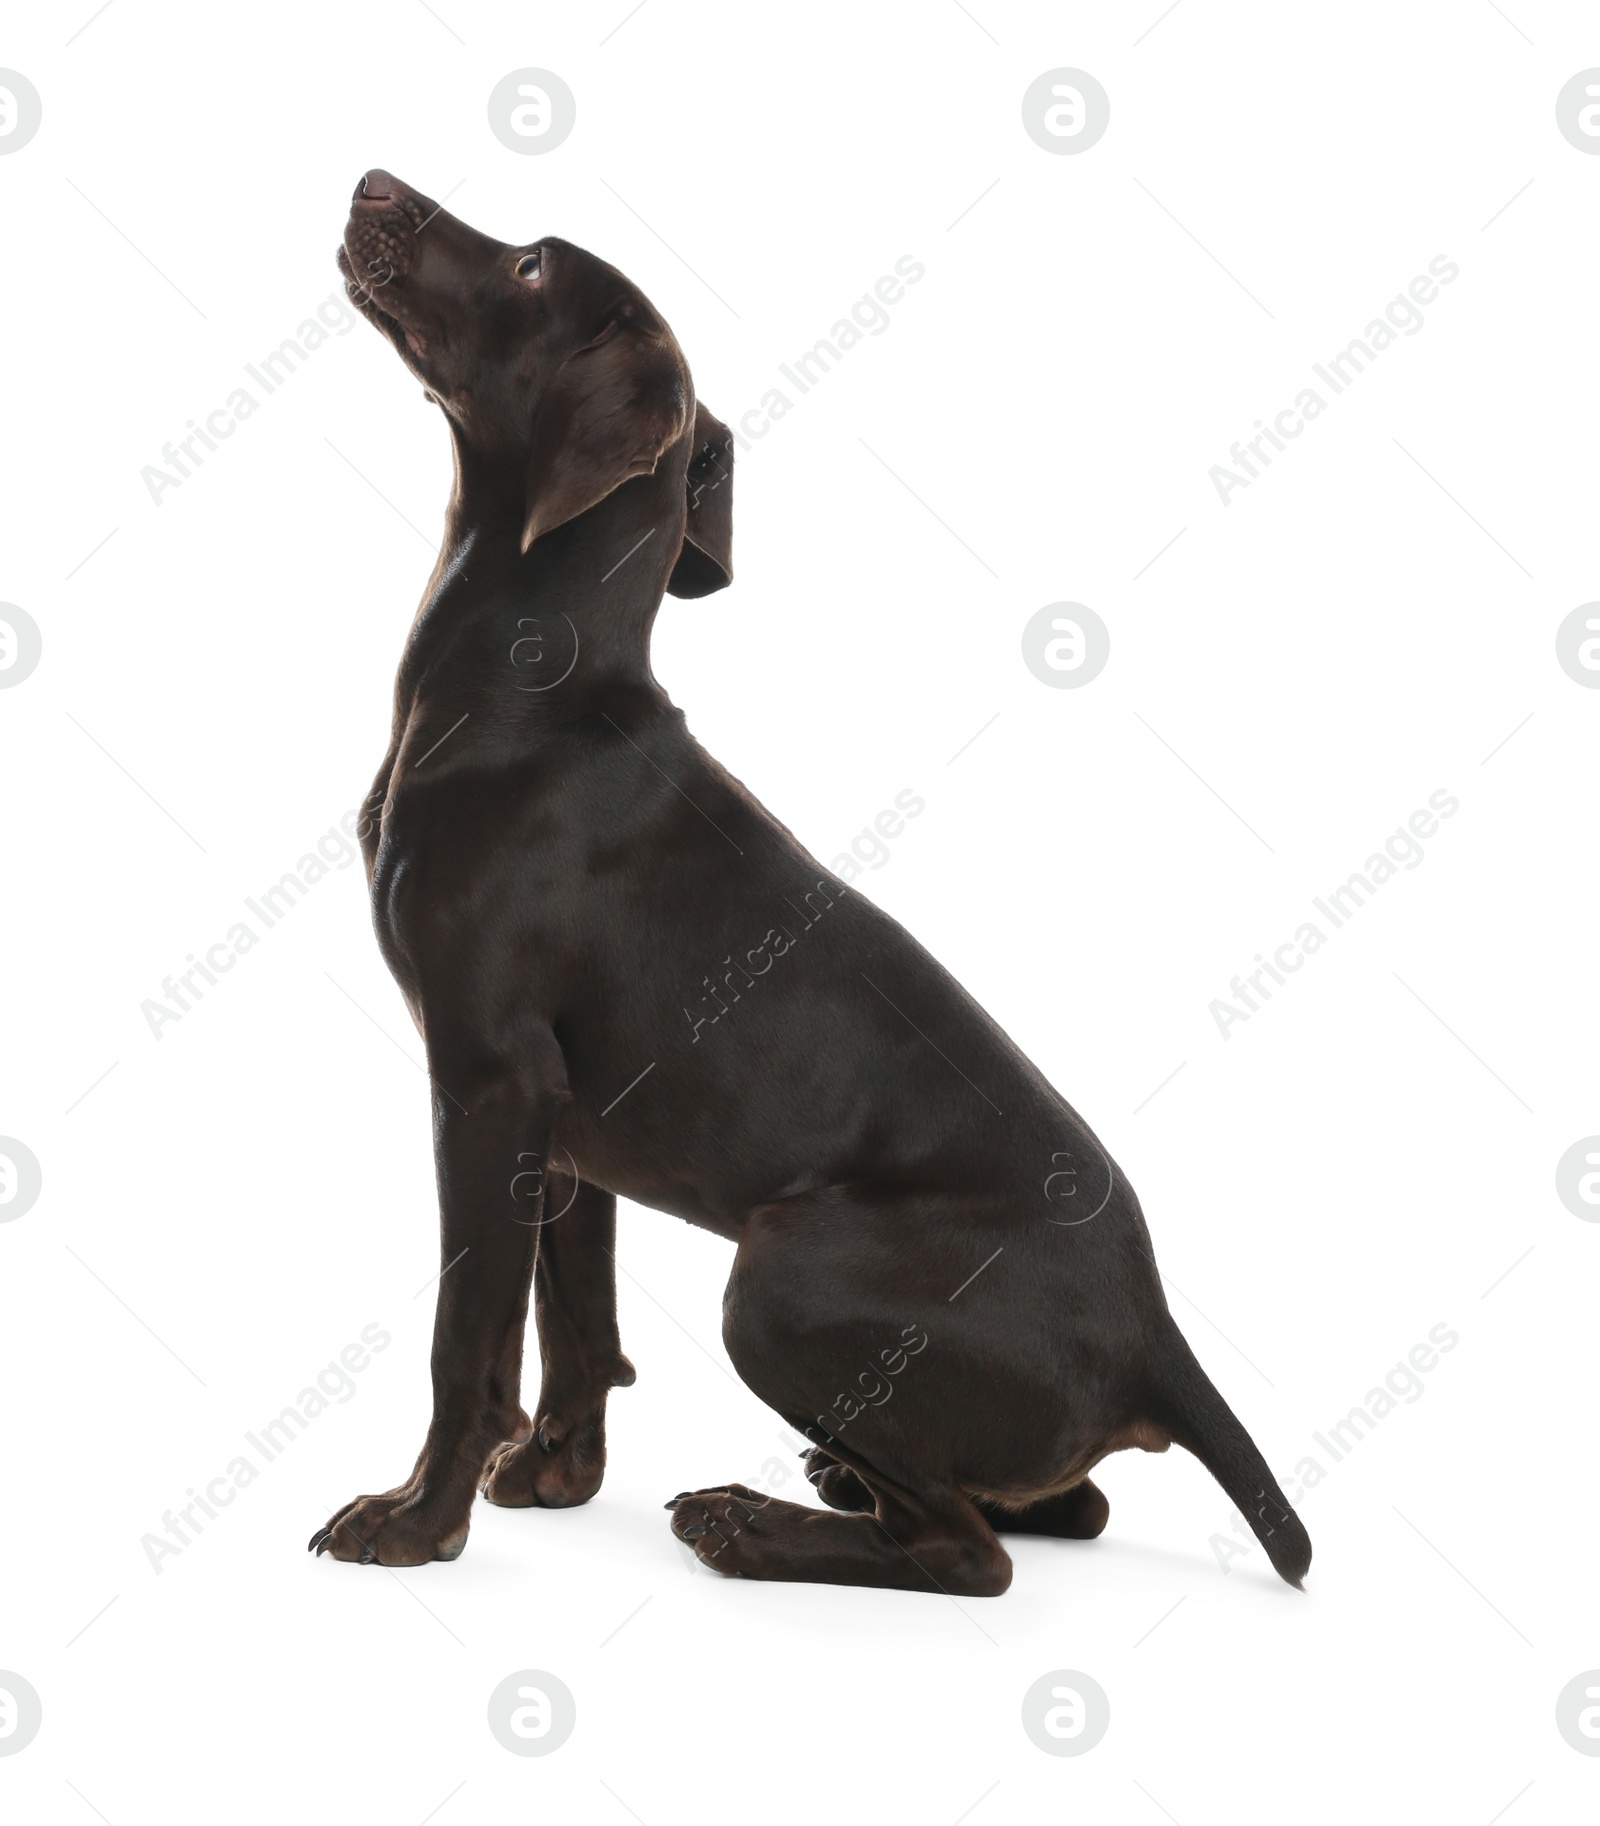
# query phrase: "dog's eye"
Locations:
[[528, 266]]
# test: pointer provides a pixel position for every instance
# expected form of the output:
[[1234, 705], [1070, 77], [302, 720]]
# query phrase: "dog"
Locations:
[[633, 981]]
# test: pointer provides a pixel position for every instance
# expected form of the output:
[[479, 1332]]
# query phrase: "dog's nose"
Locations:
[[376, 187]]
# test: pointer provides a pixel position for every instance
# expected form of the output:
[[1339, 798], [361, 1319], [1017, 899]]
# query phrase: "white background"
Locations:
[[1366, 1158]]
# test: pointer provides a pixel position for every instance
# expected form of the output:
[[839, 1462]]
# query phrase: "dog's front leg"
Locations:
[[564, 1460], [491, 1143]]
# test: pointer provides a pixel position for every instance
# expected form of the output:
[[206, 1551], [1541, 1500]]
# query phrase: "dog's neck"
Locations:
[[578, 604]]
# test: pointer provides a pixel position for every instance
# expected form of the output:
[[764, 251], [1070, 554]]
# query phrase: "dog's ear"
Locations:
[[706, 560], [613, 408]]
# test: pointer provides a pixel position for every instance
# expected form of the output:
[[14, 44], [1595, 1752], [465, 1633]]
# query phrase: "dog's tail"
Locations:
[[1184, 1401]]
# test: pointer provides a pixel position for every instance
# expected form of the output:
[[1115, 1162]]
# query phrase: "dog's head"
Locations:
[[552, 366]]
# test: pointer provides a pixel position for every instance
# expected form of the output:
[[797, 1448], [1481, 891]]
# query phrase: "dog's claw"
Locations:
[[317, 1539], [690, 1534], [369, 1554]]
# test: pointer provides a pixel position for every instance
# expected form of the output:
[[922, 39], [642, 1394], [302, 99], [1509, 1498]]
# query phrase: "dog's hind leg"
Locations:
[[1078, 1514], [794, 1346], [929, 1540], [561, 1458], [836, 1484]]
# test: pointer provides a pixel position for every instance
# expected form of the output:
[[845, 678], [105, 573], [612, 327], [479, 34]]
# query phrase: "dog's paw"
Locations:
[[558, 1468], [837, 1484], [401, 1528], [722, 1526]]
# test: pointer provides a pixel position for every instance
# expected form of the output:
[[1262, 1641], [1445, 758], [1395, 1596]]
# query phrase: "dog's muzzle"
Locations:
[[380, 239]]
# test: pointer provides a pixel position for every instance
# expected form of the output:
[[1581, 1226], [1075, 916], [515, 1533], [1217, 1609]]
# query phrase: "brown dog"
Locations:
[[631, 979]]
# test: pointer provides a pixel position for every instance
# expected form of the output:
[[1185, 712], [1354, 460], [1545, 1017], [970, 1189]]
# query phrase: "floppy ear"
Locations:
[[613, 407], [706, 561]]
